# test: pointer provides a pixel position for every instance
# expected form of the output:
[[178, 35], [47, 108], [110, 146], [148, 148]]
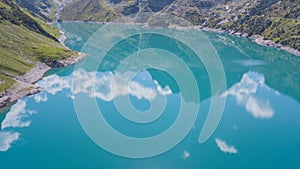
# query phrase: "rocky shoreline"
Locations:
[[260, 40], [257, 39], [24, 85]]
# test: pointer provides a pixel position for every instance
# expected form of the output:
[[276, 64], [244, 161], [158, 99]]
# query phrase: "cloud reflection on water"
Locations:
[[109, 86], [6, 139], [42, 97], [245, 93], [259, 108], [105, 86], [15, 118], [224, 147], [185, 155]]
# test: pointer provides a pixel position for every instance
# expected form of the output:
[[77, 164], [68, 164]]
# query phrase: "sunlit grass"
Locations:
[[5, 82]]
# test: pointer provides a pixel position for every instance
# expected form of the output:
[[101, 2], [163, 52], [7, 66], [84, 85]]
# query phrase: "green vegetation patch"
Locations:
[[51, 53], [24, 40], [5, 82]]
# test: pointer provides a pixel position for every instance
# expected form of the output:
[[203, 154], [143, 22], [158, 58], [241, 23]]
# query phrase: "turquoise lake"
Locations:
[[259, 127]]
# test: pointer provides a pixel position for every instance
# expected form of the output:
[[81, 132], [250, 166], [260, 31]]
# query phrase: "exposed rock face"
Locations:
[[4, 101], [158, 5], [34, 74], [45, 9], [262, 5], [39, 7], [64, 62], [130, 10], [53, 64], [17, 16], [17, 91], [24, 85]]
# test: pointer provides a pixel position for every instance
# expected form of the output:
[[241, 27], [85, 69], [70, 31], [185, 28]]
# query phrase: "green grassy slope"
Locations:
[[278, 21], [94, 10], [24, 40]]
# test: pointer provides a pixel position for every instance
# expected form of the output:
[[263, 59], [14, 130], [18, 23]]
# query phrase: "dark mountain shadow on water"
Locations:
[[239, 55], [155, 41]]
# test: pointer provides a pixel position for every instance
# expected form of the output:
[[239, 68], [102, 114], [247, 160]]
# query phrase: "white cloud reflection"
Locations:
[[54, 84], [108, 86], [259, 108], [163, 91], [224, 147], [41, 97], [245, 93], [15, 117], [7, 139], [105, 86], [185, 155]]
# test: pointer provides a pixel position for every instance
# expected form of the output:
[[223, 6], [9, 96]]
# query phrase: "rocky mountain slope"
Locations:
[[45, 9], [274, 20]]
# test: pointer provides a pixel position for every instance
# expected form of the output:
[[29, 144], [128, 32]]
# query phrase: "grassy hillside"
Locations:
[[24, 40], [94, 10], [274, 20]]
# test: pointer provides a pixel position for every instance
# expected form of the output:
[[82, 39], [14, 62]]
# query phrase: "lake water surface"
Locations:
[[260, 126]]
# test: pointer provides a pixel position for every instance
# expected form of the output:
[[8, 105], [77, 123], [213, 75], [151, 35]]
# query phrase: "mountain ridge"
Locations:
[[275, 20]]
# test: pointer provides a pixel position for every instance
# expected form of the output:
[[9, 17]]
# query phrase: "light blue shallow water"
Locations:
[[260, 127]]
